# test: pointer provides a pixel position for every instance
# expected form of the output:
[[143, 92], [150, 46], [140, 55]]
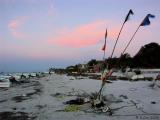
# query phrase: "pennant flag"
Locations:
[[104, 47], [146, 20], [128, 15], [106, 35], [143, 23], [126, 19]]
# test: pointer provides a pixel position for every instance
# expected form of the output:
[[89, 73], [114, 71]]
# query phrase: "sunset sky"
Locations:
[[37, 34]]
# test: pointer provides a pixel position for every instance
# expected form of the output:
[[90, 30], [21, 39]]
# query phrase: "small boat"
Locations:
[[138, 77], [4, 83]]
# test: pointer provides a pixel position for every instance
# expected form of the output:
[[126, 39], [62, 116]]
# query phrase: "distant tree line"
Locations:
[[147, 57]]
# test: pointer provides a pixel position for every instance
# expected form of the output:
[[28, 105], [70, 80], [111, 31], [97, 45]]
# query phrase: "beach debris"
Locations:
[[153, 102], [19, 98], [122, 78], [90, 101], [1, 101], [137, 71], [13, 80], [100, 103], [26, 96], [77, 101], [37, 75], [129, 73], [158, 76], [154, 84], [94, 76], [31, 76], [148, 78], [22, 76], [124, 96], [59, 96], [97, 103], [7, 115], [108, 81], [14, 108]]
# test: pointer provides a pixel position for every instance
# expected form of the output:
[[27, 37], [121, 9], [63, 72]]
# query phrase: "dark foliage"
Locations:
[[148, 56], [92, 62]]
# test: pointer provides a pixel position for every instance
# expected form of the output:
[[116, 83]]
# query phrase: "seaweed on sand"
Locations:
[[72, 108], [15, 116]]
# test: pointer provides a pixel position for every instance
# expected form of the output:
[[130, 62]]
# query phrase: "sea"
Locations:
[[17, 75]]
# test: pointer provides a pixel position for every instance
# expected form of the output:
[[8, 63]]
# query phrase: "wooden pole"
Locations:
[[117, 40], [130, 40]]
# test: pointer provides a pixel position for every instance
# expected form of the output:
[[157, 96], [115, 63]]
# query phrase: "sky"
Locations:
[[38, 34]]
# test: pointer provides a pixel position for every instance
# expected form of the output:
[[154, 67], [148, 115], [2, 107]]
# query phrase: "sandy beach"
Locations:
[[44, 98]]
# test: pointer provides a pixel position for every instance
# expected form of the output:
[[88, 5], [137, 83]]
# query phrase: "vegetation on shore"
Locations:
[[147, 57]]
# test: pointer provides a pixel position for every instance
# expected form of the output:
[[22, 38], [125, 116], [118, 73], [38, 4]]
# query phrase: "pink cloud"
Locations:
[[15, 25], [85, 35], [88, 34]]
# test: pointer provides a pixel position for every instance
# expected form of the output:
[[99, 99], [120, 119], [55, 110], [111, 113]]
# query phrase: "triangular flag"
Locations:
[[104, 47], [146, 20], [128, 15]]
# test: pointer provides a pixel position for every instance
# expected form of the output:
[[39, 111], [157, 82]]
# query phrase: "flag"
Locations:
[[104, 47], [128, 15], [146, 20], [106, 35]]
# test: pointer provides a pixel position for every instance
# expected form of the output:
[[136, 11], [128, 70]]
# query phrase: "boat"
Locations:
[[4, 83]]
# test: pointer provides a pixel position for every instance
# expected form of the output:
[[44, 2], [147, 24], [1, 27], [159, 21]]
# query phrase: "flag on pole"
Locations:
[[146, 20], [126, 19], [128, 15], [104, 47]]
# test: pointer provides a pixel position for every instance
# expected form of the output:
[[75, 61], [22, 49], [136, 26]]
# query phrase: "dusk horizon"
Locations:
[[39, 34]]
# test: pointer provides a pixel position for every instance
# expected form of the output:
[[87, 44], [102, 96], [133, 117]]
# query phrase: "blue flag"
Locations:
[[146, 20], [128, 15]]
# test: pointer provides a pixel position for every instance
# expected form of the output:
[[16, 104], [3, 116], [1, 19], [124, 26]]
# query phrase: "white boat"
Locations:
[[136, 77], [4, 83]]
